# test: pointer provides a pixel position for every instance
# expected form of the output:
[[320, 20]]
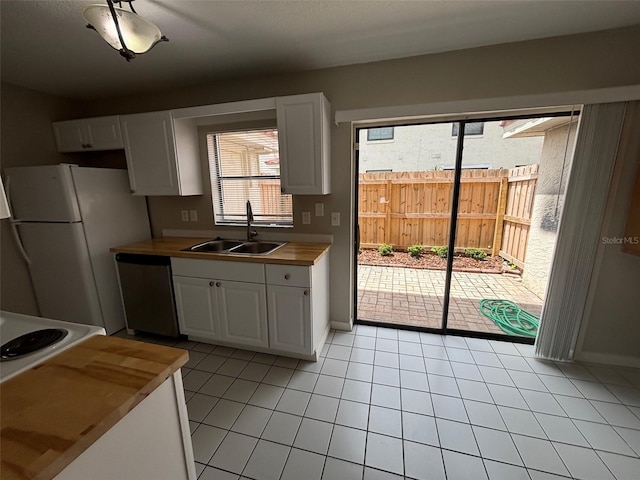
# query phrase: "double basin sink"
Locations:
[[235, 246]]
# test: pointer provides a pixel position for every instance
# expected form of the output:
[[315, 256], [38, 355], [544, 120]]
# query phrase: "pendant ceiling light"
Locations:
[[126, 31]]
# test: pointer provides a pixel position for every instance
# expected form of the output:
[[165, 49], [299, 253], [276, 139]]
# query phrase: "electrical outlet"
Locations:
[[335, 219], [306, 218], [319, 209], [185, 215], [193, 215]]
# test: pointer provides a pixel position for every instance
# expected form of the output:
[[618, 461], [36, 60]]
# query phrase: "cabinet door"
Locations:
[[149, 145], [303, 138], [69, 136], [103, 133], [196, 304], [289, 310], [243, 313]]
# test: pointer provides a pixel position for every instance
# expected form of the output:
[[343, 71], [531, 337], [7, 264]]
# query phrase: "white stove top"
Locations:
[[12, 325]]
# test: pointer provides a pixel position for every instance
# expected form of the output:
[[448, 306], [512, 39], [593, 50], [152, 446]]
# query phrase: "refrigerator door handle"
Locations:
[[13, 222], [16, 237]]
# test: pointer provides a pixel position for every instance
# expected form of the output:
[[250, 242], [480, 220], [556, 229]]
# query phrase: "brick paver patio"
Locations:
[[414, 297]]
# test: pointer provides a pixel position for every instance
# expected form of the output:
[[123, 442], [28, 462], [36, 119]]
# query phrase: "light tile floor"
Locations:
[[412, 296], [387, 404]]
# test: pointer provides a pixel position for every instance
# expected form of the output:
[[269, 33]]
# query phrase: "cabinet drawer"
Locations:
[[288, 275], [219, 270]]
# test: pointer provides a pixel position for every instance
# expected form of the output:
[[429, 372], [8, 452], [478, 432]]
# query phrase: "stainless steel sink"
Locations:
[[257, 248], [216, 246], [235, 246]]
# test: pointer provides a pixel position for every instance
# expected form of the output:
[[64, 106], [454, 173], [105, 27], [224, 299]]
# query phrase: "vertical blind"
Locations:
[[245, 165], [579, 231]]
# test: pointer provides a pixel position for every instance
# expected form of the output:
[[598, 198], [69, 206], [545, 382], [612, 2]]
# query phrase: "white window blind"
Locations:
[[379, 133], [470, 129], [245, 165]]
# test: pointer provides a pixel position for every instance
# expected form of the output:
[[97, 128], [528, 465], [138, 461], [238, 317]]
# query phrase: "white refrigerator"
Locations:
[[65, 219]]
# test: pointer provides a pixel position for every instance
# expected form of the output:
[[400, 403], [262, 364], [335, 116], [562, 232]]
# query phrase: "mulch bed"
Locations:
[[431, 261]]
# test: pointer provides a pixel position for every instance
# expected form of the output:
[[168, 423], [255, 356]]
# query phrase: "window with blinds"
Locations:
[[379, 133], [470, 129], [245, 165]]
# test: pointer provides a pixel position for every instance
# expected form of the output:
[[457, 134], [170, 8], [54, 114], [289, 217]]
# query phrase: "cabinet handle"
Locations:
[[217, 284], [211, 284], [286, 276], [306, 292]]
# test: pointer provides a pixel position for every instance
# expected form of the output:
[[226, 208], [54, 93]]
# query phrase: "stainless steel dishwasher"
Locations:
[[147, 293]]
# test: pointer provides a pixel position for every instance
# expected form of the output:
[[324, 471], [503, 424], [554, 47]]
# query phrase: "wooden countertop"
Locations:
[[293, 253], [56, 410]]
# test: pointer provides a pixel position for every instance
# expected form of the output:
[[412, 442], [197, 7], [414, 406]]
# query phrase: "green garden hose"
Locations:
[[510, 318]]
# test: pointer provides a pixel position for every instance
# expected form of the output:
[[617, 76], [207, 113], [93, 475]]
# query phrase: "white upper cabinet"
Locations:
[[100, 133], [151, 145], [163, 151], [304, 142]]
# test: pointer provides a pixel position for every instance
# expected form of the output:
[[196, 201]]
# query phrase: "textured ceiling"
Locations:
[[45, 45]]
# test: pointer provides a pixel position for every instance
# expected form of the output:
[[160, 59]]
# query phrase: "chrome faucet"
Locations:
[[251, 233]]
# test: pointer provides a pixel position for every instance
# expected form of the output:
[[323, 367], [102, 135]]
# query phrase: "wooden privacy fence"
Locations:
[[272, 202], [516, 221], [409, 208]]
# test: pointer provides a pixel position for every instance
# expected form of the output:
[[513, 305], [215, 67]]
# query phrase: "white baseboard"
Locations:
[[608, 359], [343, 326]]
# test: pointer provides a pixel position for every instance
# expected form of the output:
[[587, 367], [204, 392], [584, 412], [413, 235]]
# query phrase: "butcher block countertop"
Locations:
[[293, 253], [56, 410]]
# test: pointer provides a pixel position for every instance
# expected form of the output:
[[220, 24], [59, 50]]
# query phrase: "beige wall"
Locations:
[[579, 62], [576, 62], [611, 332]]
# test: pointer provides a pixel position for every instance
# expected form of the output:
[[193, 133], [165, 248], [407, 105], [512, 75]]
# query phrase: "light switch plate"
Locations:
[[306, 218], [193, 215], [185, 215], [319, 209], [335, 219]]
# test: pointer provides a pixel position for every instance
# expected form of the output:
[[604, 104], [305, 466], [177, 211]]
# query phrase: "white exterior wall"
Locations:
[[427, 147], [547, 206]]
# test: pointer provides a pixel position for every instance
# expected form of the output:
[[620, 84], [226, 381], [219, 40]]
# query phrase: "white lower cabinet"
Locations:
[[242, 310], [213, 302], [197, 307], [298, 307], [272, 308], [289, 319]]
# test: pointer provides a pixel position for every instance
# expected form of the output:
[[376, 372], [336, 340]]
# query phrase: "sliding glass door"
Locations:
[[404, 204], [457, 222]]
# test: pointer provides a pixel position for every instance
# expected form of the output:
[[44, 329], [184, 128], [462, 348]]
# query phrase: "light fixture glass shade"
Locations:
[[139, 34], [4, 205]]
